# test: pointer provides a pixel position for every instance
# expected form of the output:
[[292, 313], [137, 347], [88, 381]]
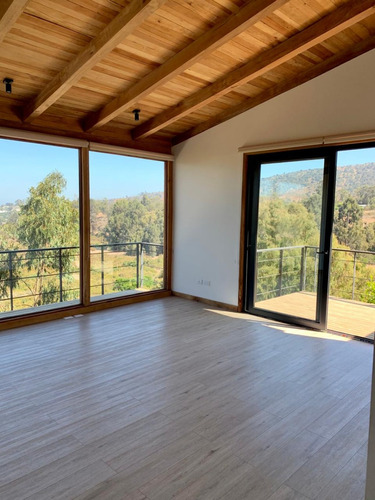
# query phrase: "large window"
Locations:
[[39, 227], [127, 225], [79, 227]]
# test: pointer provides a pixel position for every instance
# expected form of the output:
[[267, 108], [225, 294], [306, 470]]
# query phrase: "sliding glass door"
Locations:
[[289, 225]]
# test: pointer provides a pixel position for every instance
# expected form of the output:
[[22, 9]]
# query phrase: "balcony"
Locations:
[[287, 283], [46, 278]]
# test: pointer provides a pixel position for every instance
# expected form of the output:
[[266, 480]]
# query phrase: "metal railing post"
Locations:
[[354, 271], [102, 267], [137, 265], [141, 265], [302, 283], [10, 265], [60, 275], [280, 272]]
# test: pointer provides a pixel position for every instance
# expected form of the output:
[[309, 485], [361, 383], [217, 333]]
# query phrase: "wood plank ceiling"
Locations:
[[80, 67]]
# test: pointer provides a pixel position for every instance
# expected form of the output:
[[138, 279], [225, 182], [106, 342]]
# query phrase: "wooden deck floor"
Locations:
[[174, 399], [344, 316]]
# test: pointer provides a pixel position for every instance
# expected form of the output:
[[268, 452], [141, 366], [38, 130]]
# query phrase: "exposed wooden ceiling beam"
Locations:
[[342, 18], [113, 34], [254, 11], [278, 89], [71, 128], [10, 10]]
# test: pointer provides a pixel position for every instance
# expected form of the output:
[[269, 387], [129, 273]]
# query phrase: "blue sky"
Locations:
[[356, 156], [25, 164]]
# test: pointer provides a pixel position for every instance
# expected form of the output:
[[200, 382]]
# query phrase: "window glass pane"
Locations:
[[39, 227], [288, 238], [352, 278], [127, 225]]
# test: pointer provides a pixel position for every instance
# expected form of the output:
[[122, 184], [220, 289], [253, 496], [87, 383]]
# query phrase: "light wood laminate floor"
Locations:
[[175, 399]]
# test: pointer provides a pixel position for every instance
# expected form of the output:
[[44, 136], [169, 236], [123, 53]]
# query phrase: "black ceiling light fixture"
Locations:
[[8, 85], [136, 114]]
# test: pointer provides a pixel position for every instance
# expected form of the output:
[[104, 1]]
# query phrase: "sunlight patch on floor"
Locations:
[[289, 330], [311, 333]]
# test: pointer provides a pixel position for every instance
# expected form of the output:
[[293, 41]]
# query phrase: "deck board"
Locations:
[[344, 316]]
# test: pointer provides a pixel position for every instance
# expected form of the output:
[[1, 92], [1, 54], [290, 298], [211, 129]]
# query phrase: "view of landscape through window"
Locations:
[[39, 226], [288, 232], [288, 240], [127, 232]]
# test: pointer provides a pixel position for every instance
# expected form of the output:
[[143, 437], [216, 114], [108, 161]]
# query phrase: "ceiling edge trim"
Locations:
[[56, 140], [137, 153], [340, 139]]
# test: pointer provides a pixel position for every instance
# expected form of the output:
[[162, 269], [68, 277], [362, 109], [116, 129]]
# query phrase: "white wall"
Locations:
[[208, 170]]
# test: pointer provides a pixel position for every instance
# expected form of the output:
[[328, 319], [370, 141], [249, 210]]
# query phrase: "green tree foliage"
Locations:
[[47, 220], [136, 220], [283, 224], [126, 222], [348, 226], [8, 236], [370, 236], [368, 294], [122, 284], [99, 213], [313, 204], [10, 266], [365, 195], [341, 277]]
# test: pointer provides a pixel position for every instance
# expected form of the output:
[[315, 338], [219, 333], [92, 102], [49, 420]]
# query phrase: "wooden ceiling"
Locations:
[[80, 67]]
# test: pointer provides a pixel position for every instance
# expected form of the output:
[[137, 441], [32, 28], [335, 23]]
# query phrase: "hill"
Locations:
[[296, 185]]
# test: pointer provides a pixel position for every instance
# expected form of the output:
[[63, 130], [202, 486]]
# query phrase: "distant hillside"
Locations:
[[296, 185]]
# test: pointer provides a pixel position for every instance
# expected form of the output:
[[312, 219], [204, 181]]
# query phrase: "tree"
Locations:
[[313, 203], [99, 213], [348, 224], [48, 220], [154, 221], [282, 224], [136, 219], [366, 195], [126, 222]]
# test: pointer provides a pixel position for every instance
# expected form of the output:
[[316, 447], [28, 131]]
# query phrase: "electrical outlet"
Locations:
[[204, 282]]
